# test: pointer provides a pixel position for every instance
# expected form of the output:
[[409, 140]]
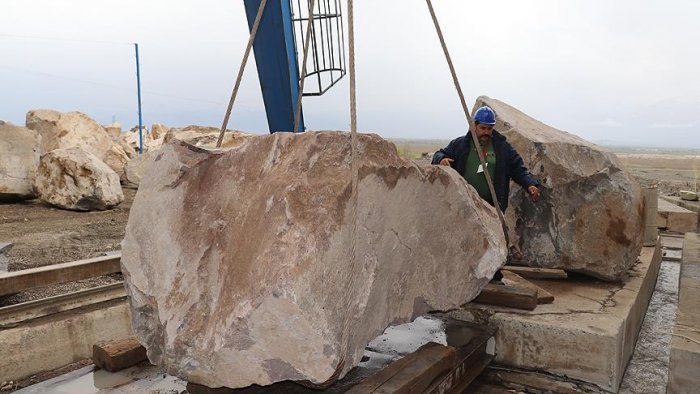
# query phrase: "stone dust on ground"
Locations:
[[44, 235]]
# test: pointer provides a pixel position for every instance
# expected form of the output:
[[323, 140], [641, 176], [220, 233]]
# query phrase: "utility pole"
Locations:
[[138, 89]]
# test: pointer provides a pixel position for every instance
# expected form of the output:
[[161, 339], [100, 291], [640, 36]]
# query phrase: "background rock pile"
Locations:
[[70, 161]]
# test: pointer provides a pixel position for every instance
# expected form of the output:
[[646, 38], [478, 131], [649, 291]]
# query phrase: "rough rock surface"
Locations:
[[591, 216], [206, 137], [19, 159], [62, 130], [158, 131], [273, 269], [77, 180], [136, 167], [114, 130]]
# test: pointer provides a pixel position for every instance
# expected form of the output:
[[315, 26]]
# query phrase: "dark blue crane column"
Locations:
[[276, 59]]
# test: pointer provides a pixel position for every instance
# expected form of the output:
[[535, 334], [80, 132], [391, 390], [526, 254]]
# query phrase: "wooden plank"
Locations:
[[513, 297], [120, 354], [513, 279], [16, 281], [411, 374], [11, 315], [537, 273]]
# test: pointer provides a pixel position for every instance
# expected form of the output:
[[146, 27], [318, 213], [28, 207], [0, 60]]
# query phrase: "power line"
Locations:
[[64, 39], [118, 87]]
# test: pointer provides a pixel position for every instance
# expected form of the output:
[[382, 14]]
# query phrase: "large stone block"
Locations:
[[591, 216], [19, 159], [207, 137], [77, 180], [261, 263], [63, 130]]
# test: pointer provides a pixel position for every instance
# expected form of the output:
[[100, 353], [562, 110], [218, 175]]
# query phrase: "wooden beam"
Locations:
[[16, 281], [119, 354], [514, 280], [536, 273], [411, 374], [512, 297]]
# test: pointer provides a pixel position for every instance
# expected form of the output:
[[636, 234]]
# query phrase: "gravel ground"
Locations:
[[44, 235]]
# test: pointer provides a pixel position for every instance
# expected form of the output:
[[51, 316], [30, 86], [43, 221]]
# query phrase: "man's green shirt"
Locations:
[[473, 173]]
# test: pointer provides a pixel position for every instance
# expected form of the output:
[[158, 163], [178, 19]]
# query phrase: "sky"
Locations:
[[613, 72]]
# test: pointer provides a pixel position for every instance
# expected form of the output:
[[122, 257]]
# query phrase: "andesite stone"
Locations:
[[591, 215], [19, 159], [207, 137], [260, 263], [77, 180], [62, 130]]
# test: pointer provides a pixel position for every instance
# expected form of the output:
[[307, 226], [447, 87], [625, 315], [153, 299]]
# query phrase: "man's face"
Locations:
[[483, 132]]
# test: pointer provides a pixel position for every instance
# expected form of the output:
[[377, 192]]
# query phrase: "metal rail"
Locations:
[[13, 315], [17, 281]]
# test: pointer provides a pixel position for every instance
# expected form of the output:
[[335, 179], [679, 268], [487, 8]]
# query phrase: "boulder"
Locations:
[[207, 137], [77, 180], [61, 130], [136, 167], [158, 131], [591, 215], [131, 139], [273, 268], [19, 159], [114, 130]]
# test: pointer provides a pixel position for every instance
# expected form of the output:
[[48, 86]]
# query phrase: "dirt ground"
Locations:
[[43, 235]]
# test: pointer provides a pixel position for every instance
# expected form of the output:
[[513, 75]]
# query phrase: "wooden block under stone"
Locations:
[[537, 273], [411, 374], [513, 279], [119, 354], [512, 297]]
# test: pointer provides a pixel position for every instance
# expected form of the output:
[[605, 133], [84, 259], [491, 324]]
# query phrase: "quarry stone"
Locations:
[[277, 269], [590, 218], [136, 167], [19, 159], [61, 130], [77, 180], [158, 131], [114, 130], [206, 137]]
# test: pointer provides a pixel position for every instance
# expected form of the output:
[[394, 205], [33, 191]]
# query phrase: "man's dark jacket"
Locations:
[[509, 164]]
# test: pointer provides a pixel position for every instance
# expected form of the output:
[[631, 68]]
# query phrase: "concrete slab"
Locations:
[[684, 369], [54, 341], [676, 218], [587, 334], [689, 205]]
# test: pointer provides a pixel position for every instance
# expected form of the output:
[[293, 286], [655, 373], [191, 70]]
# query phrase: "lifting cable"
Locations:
[[470, 121], [253, 32]]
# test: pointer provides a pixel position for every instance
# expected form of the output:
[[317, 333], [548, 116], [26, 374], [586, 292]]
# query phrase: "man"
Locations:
[[502, 161]]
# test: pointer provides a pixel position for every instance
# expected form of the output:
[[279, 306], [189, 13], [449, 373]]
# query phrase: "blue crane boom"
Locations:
[[276, 60]]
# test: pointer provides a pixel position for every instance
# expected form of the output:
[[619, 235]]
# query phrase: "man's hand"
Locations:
[[534, 193], [446, 162]]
